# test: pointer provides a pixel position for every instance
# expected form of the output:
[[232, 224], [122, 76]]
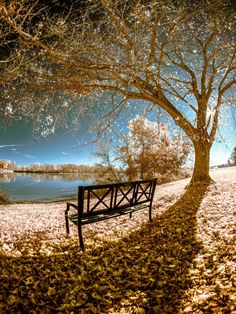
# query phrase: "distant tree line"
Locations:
[[6, 165]]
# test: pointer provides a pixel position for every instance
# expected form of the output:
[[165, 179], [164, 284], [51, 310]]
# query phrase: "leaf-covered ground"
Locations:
[[182, 262]]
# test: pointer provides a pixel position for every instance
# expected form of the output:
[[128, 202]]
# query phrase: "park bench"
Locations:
[[100, 202]]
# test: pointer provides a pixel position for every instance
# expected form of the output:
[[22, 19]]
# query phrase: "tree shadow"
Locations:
[[146, 271]]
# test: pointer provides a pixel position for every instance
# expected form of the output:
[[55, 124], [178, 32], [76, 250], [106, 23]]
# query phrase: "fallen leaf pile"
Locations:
[[182, 262]]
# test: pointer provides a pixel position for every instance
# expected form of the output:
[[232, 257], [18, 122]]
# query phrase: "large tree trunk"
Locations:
[[202, 163]]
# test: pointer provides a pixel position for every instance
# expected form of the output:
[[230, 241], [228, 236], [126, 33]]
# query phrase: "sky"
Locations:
[[18, 144]]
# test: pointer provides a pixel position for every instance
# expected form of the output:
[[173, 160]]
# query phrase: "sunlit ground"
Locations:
[[183, 262]]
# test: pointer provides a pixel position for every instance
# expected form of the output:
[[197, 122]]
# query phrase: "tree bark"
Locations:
[[202, 163]]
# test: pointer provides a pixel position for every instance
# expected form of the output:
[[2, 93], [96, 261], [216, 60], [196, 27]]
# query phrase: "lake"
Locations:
[[42, 187]]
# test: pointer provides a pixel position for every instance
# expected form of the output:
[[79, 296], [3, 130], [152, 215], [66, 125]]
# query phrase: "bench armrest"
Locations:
[[68, 205]]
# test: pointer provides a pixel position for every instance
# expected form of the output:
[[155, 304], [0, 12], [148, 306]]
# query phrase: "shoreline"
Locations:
[[6, 201], [215, 173], [31, 202]]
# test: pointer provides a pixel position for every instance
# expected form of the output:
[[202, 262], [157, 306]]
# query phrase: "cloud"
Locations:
[[64, 153], [29, 156], [17, 152], [10, 145]]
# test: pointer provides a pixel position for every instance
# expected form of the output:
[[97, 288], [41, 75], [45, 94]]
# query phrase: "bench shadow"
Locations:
[[147, 271]]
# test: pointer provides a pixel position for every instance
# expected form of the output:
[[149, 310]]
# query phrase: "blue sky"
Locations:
[[65, 146], [18, 144]]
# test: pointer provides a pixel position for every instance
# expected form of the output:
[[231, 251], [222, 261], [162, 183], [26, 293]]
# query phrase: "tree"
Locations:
[[106, 168], [146, 151], [149, 151], [233, 156], [177, 56], [7, 165]]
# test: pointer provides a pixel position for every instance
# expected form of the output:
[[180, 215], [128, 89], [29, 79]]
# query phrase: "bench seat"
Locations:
[[103, 216]]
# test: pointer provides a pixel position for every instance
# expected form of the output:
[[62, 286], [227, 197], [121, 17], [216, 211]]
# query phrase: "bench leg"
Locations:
[[81, 242], [67, 220], [150, 213]]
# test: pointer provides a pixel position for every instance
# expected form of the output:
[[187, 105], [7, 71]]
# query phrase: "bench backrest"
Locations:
[[96, 199]]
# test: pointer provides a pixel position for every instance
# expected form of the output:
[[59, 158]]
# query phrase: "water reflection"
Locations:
[[42, 186], [7, 176], [38, 177]]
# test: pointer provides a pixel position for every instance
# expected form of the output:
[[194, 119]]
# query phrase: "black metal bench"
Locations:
[[100, 202]]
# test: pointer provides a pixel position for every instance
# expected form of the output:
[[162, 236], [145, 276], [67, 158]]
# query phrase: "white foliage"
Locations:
[[9, 110], [151, 150]]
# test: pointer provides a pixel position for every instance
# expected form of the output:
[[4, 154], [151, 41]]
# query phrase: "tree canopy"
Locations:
[[169, 54]]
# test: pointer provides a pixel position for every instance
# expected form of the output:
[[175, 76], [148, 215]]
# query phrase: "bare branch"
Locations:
[[174, 56]]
